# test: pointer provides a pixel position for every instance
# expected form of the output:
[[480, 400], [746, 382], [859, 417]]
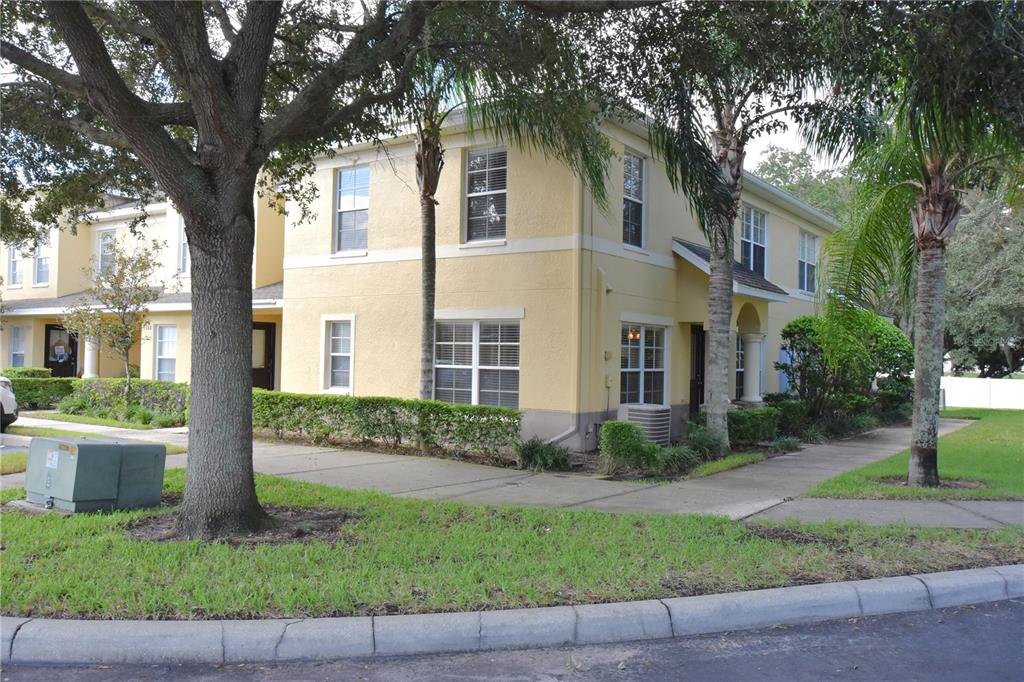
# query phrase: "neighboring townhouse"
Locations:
[[39, 285], [545, 302]]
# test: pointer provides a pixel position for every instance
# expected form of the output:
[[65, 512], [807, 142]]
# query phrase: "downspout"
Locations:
[[577, 293]]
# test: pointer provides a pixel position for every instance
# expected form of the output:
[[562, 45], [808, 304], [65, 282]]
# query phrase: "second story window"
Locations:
[[808, 263], [184, 259], [105, 245], [41, 263], [353, 209], [14, 276], [633, 200], [755, 239], [486, 176]]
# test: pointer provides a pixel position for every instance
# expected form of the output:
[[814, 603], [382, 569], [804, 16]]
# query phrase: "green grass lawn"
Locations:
[[12, 461], [406, 555], [63, 433], [733, 461], [86, 419], [989, 451]]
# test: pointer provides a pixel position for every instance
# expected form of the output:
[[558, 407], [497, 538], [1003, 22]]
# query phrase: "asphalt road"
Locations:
[[976, 644]]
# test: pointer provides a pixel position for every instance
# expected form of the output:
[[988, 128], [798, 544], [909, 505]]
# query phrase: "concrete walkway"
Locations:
[[762, 490]]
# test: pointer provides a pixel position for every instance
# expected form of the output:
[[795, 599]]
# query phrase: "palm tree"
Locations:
[[554, 120], [955, 122]]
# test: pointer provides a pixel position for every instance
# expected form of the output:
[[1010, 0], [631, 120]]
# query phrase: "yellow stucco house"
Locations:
[[545, 303]]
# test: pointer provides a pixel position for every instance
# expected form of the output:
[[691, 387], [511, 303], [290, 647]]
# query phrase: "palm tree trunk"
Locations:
[[429, 274], [720, 321], [929, 322]]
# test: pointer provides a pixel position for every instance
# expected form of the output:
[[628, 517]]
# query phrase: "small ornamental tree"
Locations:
[[113, 310]]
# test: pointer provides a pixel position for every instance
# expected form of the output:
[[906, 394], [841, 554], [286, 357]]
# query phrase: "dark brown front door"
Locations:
[[263, 334], [697, 347], [61, 351]]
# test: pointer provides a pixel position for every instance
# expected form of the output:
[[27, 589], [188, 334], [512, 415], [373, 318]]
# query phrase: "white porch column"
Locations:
[[91, 359], [751, 368]]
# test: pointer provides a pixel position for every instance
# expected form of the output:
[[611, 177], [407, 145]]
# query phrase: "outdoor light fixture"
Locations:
[[634, 335]]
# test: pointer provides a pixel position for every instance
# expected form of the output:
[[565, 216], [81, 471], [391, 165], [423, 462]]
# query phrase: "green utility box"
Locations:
[[90, 474]]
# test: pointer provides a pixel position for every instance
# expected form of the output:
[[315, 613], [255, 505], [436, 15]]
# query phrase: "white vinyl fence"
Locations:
[[972, 392]]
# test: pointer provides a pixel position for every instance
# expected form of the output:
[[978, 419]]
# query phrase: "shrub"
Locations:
[[678, 459], [540, 455], [473, 429], [793, 418], [752, 426], [624, 445], [42, 393], [27, 372], [163, 421], [707, 445], [784, 444], [103, 397], [814, 433]]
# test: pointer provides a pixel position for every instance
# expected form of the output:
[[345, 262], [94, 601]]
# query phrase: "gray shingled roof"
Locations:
[[268, 292], [740, 273]]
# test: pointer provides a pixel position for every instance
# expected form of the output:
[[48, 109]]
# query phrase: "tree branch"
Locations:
[[219, 11], [119, 21], [245, 65], [109, 95], [566, 6], [68, 82]]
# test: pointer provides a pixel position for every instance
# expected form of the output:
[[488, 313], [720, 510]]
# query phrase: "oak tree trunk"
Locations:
[[220, 492], [934, 219]]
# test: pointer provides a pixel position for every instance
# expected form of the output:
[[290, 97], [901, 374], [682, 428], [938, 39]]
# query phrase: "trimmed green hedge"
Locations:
[[33, 394], [747, 426], [106, 395], [624, 444], [27, 372], [471, 429]]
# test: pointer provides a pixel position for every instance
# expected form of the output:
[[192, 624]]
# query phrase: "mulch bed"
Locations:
[[286, 525]]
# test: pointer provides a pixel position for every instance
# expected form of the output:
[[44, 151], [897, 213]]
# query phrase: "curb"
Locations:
[[43, 640]]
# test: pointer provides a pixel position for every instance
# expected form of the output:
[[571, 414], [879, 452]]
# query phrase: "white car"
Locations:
[[8, 404]]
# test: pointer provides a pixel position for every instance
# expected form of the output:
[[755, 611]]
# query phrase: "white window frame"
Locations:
[[467, 195], [41, 255], [157, 357], [101, 235], [15, 264], [325, 353], [336, 237], [752, 242], [645, 324], [642, 200], [810, 284], [184, 257], [475, 366], [18, 334], [740, 377]]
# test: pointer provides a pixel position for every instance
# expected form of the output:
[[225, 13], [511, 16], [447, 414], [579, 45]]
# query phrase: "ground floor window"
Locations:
[[17, 346], [339, 355], [477, 363], [739, 367], [166, 336], [642, 376]]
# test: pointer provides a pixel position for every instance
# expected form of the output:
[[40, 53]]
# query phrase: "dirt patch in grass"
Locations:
[[286, 525], [949, 485], [798, 536]]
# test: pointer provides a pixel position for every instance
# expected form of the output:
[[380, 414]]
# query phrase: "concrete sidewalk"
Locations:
[[764, 490]]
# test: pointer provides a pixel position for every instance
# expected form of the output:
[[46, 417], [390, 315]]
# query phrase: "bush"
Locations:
[[27, 372], [103, 397], [42, 393], [163, 421], [793, 418], [678, 459], [624, 445], [814, 433], [784, 444], [473, 429], [753, 426], [540, 455], [707, 445]]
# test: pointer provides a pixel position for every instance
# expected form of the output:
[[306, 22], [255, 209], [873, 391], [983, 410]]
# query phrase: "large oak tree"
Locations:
[[202, 102]]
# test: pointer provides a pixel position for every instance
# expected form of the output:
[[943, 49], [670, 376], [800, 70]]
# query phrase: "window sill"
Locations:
[[483, 243], [636, 250], [336, 391], [13, 286], [40, 286], [354, 253]]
